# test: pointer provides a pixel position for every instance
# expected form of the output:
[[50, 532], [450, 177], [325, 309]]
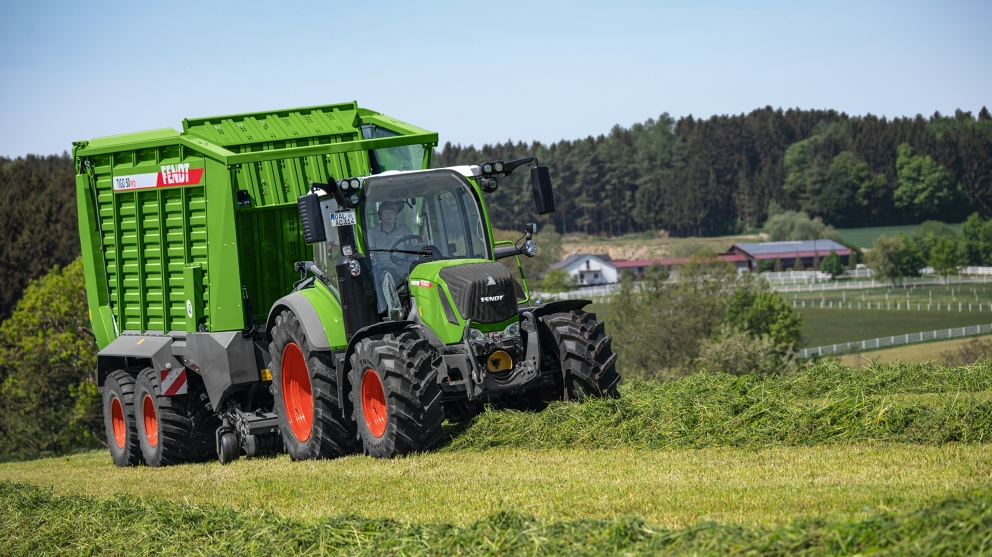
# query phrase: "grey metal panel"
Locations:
[[223, 360], [303, 309], [156, 348]]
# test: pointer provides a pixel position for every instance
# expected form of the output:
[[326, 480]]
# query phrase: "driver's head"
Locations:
[[387, 213]]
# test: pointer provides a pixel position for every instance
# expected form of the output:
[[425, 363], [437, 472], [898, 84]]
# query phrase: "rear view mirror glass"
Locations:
[[544, 195], [310, 217]]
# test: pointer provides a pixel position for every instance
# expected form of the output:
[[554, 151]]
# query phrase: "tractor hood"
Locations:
[[482, 292]]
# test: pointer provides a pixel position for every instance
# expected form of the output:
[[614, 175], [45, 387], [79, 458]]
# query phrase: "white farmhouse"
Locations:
[[588, 269]]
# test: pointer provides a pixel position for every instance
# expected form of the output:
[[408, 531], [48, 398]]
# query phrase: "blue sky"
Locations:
[[478, 73]]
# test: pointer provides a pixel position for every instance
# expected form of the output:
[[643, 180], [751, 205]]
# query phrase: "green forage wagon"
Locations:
[[301, 281]]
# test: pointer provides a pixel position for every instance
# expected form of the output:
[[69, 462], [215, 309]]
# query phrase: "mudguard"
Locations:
[[305, 312], [134, 350], [557, 307]]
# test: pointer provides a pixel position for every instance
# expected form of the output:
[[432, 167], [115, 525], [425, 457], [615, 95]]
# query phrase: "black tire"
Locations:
[[404, 365], [229, 449], [588, 364], [327, 433], [165, 428], [122, 437]]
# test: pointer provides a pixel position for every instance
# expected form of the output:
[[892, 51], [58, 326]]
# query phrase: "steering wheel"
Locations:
[[399, 259]]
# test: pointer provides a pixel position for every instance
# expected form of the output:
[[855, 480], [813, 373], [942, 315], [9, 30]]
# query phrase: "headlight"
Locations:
[[354, 183], [512, 330], [354, 268], [530, 248], [498, 166], [476, 335], [487, 168]]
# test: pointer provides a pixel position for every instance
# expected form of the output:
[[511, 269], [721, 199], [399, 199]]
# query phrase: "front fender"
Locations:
[[303, 308], [560, 306]]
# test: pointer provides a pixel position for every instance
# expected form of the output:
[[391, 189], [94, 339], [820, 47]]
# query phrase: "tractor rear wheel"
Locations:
[[588, 364], [119, 419], [304, 385], [165, 428], [395, 394]]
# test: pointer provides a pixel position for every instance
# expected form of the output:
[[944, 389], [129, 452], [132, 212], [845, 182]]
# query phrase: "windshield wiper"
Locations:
[[423, 251]]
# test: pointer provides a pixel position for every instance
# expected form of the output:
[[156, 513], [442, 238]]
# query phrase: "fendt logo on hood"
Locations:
[[491, 298]]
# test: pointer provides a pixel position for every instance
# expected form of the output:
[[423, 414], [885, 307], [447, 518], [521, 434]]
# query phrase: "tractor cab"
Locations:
[[410, 218]]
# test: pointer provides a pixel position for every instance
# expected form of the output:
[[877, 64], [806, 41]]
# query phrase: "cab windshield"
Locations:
[[415, 217]]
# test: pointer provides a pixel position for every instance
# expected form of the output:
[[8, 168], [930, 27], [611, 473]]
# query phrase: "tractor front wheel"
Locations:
[[584, 351], [304, 385], [395, 394], [119, 419]]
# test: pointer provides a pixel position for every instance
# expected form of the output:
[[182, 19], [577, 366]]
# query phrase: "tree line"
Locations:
[[706, 177], [935, 245]]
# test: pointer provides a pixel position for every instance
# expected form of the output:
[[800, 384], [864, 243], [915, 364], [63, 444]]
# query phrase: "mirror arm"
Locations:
[[331, 188], [513, 165], [506, 251]]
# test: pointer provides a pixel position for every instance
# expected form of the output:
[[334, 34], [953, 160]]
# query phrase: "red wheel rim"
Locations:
[[151, 420], [374, 403], [297, 394], [117, 422]]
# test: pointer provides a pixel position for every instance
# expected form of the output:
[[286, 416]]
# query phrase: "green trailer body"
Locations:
[[174, 225], [236, 263]]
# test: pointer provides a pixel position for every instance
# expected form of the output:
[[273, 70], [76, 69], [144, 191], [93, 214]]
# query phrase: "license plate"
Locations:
[[345, 218]]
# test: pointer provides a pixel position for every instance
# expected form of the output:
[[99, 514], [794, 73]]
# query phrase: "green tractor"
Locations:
[[386, 306]]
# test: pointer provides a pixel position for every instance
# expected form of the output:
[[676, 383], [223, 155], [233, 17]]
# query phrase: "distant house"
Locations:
[[671, 264], [785, 254], [588, 269]]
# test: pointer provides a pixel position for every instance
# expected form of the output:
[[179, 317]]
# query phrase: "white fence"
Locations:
[[587, 292], [976, 271], [894, 340], [869, 284]]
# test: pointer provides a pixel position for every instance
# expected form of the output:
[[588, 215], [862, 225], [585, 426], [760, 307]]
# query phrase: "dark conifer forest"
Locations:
[[695, 177]]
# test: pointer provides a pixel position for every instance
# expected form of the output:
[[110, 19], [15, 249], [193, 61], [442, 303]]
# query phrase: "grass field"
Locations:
[[830, 326], [865, 237], [910, 353], [832, 460]]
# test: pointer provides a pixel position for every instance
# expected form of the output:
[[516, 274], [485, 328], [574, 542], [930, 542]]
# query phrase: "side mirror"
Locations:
[[544, 195], [311, 218]]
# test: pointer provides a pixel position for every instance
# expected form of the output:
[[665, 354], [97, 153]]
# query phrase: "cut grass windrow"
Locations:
[[827, 403], [36, 522]]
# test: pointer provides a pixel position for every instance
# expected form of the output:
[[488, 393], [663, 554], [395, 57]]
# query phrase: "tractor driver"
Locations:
[[388, 232]]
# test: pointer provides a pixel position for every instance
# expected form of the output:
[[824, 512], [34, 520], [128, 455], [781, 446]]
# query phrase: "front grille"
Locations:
[[483, 292]]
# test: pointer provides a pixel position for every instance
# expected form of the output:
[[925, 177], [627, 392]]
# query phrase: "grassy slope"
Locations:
[[649, 246], [865, 237], [829, 326]]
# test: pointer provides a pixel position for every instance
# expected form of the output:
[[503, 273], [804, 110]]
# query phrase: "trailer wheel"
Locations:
[[165, 430], [304, 385], [588, 364], [119, 419], [395, 394]]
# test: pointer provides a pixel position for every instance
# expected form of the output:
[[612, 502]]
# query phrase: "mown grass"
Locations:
[[670, 488], [828, 442], [37, 522], [828, 403]]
